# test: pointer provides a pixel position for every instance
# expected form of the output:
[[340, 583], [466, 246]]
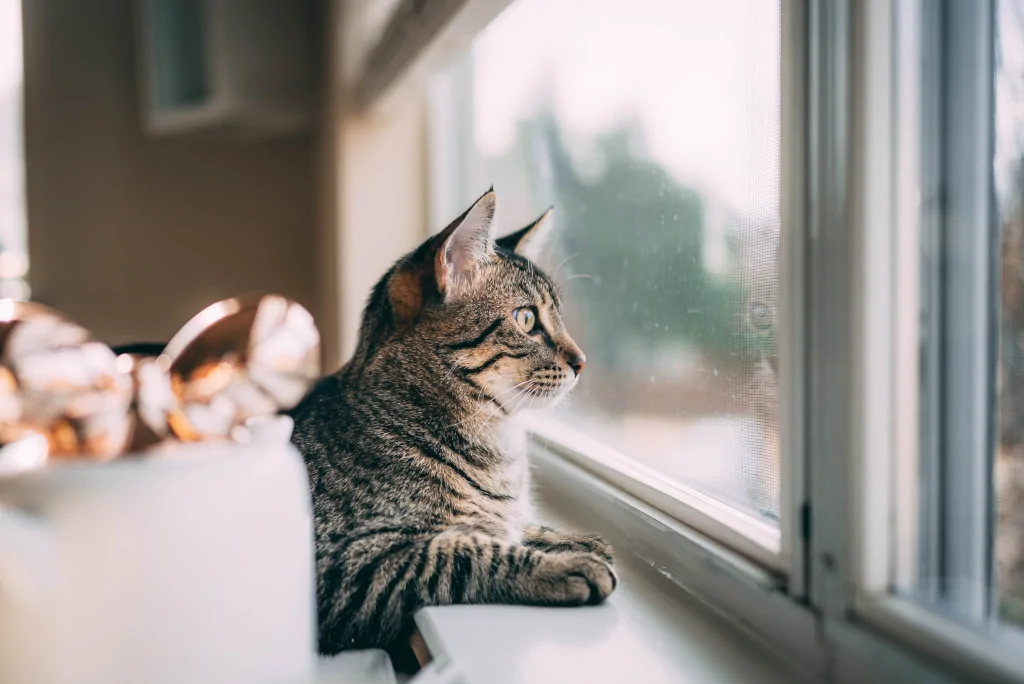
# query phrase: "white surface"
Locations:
[[639, 635], [650, 631], [356, 667], [195, 566]]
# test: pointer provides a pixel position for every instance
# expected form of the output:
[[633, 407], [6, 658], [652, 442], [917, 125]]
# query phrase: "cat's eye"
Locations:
[[526, 317]]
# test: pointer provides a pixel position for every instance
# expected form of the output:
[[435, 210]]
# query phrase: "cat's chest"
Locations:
[[514, 478], [517, 482], [511, 441]]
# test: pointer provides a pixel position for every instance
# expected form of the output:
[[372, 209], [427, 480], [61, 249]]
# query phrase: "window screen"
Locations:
[[653, 127]]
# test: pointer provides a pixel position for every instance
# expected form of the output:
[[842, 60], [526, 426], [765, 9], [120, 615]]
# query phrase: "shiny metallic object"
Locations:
[[237, 359], [58, 382], [65, 395], [152, 400]]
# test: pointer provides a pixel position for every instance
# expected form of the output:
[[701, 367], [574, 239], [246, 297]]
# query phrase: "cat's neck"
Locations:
[[455, 415], [502, 434]]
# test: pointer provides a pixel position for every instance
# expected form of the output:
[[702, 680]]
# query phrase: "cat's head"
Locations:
[[480, 313]]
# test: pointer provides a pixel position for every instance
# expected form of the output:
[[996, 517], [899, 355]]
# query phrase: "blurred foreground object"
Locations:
[[193, 566], [57, 381], [238, 359]]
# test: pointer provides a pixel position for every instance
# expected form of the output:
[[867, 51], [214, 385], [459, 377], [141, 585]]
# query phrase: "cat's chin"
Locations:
[[545, 401], [527, 404]]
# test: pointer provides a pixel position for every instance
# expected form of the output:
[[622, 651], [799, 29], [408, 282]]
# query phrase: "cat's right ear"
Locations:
[[447, 263], [465, 246]]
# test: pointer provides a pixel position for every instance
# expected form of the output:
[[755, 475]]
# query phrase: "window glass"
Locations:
[[13, 256], [653, 127], [1009, 183]]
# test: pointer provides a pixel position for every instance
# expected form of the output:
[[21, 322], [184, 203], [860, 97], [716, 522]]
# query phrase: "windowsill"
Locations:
[[641, 634], [687, 609], [650, 630]]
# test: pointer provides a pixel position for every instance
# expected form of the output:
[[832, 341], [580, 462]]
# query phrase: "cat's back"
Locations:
[[321, 418]]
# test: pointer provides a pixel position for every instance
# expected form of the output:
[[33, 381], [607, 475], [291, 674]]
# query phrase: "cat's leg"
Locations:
[[554, 541], [381, 591]]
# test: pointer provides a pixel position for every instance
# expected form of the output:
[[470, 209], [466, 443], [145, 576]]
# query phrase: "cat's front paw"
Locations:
[[577, 579], [554, 541], [595, 544]]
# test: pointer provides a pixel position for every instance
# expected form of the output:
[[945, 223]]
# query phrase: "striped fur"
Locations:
[[418, 472]]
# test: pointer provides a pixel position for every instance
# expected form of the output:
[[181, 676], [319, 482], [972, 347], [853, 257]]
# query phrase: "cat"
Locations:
[[417, 467]]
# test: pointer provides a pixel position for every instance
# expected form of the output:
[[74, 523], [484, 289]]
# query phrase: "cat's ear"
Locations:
[[465, 246], [529, 242], [447, 262]]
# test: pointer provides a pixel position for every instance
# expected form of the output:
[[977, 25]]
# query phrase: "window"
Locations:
[[792, 243], [13, 249], [937, 199], [653, 127], [968, 78]]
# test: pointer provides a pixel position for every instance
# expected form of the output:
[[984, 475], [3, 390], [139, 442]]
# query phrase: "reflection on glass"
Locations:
[[1009, 179], [653, 127]]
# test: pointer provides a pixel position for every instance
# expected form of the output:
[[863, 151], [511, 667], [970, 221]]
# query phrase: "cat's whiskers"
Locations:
[[532, 392], [528, 392], [451, 371], [483, 408], [566, 260], [563, 394], [508, 402]]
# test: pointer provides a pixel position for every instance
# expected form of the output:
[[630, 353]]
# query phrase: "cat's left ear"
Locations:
[[465, 246], [529, 242]]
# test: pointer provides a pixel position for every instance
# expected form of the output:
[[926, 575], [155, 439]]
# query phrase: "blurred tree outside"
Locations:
[[671, 292]]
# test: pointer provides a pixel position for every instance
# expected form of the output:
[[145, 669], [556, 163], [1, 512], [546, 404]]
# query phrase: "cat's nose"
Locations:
[[578, 361]]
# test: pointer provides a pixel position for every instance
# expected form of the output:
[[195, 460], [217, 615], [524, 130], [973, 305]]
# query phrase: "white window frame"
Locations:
[[824, 595], [898, 193]]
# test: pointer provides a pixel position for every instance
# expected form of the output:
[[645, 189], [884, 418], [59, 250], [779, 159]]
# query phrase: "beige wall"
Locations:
[[132, 235]]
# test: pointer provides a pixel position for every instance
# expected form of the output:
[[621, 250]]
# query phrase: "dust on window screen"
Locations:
[[653, 126]]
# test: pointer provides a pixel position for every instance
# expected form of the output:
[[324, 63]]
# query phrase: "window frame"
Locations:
[[739, 531], [965, 268], [896, 214], [846, 160]]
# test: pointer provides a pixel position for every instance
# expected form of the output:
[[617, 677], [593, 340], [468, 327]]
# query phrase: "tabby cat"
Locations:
[[418, 471]]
